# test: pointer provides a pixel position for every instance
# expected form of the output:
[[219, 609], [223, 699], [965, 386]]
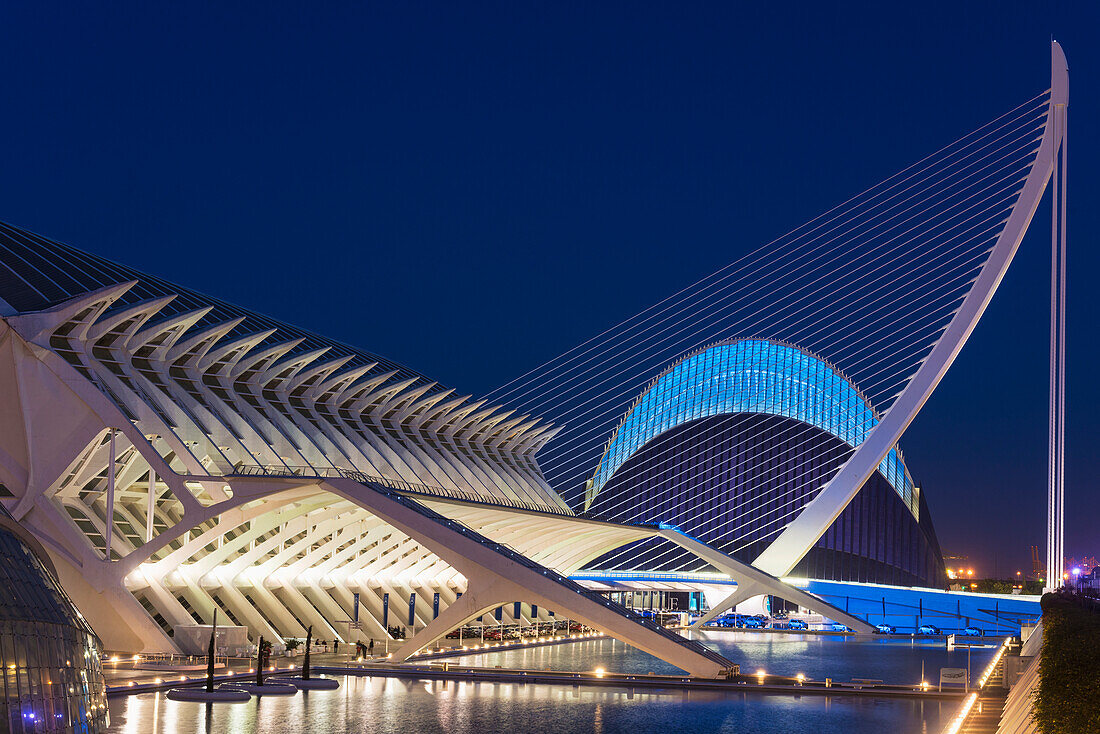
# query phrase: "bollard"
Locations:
[[305, 663], [211, 651], [260, 662]]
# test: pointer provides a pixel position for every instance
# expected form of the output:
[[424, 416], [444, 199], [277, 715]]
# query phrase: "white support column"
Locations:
[[454, 615], [1057, 399], [151, 506], [109, 524], [762, 583], [800, 535]]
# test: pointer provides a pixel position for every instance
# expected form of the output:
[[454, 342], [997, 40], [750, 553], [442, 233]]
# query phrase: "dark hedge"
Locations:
[[1068, 699]]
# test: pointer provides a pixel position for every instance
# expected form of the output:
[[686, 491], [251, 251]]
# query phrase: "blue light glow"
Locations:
[[750, 376]]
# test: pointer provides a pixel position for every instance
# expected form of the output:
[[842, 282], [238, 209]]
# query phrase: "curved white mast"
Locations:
[[799, 537], [1055, 567]]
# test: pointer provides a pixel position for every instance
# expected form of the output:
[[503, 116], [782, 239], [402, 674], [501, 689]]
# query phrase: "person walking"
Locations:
[[335, 647], [371, 648]]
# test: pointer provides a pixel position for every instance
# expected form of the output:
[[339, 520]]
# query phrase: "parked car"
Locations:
[[838, 627], [798, 624], [885, 629], [726, 620], [752, 623], [929, 629], [973, 632]]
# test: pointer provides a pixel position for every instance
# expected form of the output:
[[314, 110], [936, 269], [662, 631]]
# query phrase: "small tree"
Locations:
[[292, 644]]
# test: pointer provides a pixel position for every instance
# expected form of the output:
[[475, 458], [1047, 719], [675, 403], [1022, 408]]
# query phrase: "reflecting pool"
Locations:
[[889, 659], [378, 704], [366, 704]]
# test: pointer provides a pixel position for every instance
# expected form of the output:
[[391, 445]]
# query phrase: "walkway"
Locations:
[[985, 715]]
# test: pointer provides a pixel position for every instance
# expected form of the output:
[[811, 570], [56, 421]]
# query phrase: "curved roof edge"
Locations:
[[825, 398]]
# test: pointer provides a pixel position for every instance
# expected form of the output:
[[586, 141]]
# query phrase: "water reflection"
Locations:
[[457, 707], [816, 656], [393, 705]]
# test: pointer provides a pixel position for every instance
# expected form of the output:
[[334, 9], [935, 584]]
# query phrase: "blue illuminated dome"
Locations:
[[731, 441]]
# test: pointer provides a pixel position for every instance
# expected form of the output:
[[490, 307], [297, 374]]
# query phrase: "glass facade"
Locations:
[[52, 681], [750, 376]]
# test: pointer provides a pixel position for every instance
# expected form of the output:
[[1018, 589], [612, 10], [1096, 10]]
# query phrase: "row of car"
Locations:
[[929, 629], [759, 622], [497, 633]]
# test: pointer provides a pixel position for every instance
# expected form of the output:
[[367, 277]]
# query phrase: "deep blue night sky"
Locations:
[[471, 191]]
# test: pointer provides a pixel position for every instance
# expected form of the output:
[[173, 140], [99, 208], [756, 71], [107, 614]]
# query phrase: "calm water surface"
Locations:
[[891, 660], [375, 704], [392, 705]]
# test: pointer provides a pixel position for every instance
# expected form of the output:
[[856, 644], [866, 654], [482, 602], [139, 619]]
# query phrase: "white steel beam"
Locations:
[[796, 540]]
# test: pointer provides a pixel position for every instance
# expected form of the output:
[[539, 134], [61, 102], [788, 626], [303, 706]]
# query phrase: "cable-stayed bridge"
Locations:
[[179, 456], [881, 292]]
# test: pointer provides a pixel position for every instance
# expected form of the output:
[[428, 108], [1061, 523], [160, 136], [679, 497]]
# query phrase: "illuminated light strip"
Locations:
[[960, 717], [993, 664], [968, 704], [598, 575]]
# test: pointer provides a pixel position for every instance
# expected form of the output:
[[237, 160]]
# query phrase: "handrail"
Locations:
[[253, 470]]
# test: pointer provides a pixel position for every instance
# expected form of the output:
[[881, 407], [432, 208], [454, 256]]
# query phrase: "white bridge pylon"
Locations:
[[796, 540]]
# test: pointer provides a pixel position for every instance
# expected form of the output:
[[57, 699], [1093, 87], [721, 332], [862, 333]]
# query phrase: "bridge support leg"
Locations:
[[745, 590], [472, 604], [763, 583], [507, 576]]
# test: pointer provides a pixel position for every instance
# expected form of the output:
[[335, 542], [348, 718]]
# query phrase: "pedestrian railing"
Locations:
[[255, 470]]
